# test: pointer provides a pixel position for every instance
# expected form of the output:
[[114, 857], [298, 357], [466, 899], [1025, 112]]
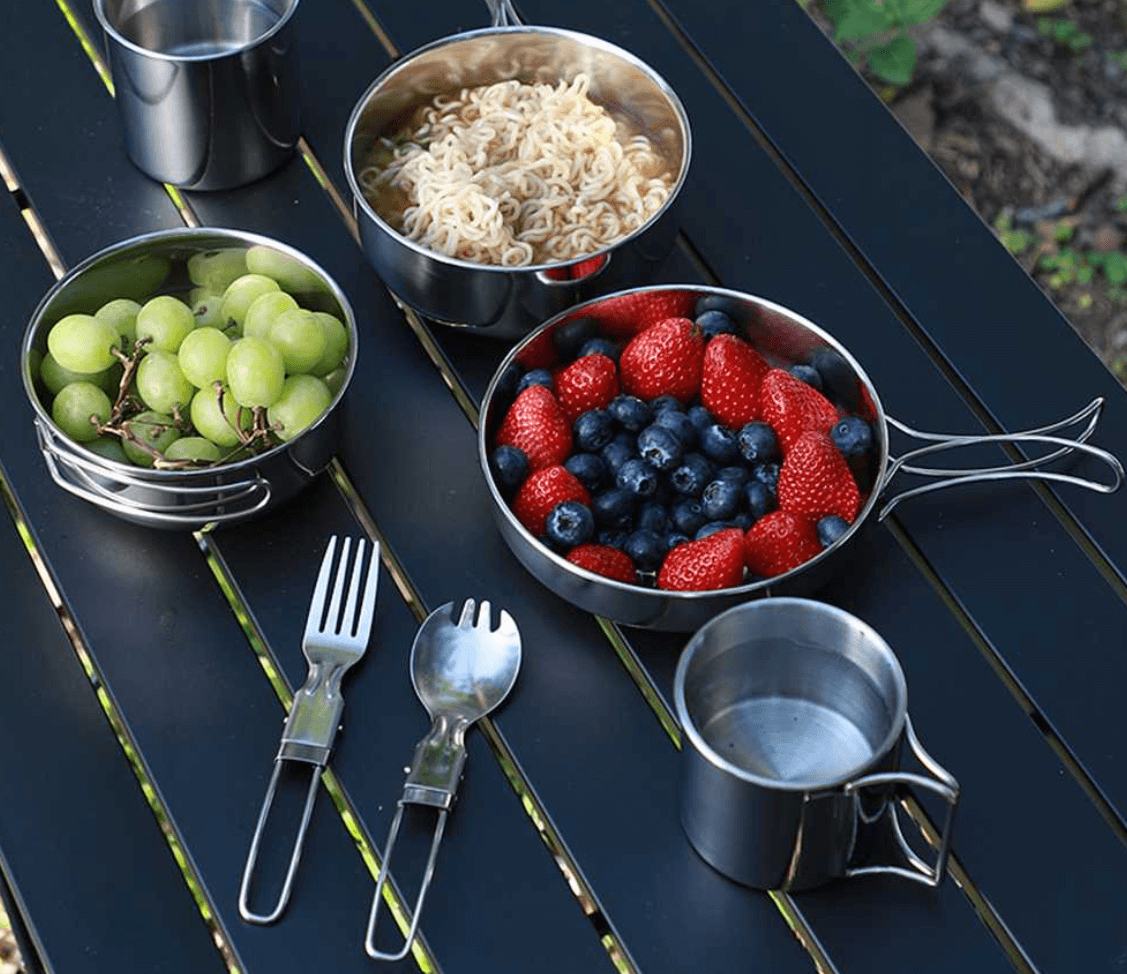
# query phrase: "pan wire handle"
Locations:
[[1022, 470], [295, 856], [503, 14]]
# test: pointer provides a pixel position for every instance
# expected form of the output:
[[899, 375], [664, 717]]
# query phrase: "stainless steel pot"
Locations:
[[795, 714], [784, 338], [507, 302], [139, 268]]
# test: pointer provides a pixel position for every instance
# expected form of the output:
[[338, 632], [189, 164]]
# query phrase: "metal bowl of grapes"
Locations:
[[502, 175], [189, 378]]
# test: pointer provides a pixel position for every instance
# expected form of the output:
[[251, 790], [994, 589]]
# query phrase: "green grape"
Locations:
[[74, 406], [192, 448], [300, 337], [219, 427], [108, 447], [203, 356], [122, 314], [55, 377], [255, 372], [216, 269], [241, 293], [165, 320], [336, 343], [290, 274], [207, 309], [335, 380], [162, 384], [83, 343], [303, 399], [155, 429], [264, 310]]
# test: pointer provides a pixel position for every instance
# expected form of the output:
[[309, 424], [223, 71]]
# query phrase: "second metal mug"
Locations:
[[207, 92], [795, 716]]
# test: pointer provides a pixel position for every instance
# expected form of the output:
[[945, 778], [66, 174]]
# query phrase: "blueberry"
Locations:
[[593, 430], [613, 507], [757, 443], [853, 436], [645, 550], [674, 538], [570, 336], [738, 475], [638, 477], [665, 402], [599, 346], [700, 417], [510, 467], [660, 447], [613, 537], [830, 529], [652, 517], [679, 425], [537, 377], [687, 516], [720, 500], [630, 412], [589, 469], [691, 476], [743, 521], [615, 454], [719, 443], [508, 381], [768, 475], [808, 374], [715, 322], [710, 528], [570, 523], [759, 499], [717, 302], [838, 379]]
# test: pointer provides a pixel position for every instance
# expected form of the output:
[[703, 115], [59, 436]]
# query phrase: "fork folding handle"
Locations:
[[332, 643]]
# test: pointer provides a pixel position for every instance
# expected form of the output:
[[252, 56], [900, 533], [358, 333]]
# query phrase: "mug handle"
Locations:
[[943, 784]]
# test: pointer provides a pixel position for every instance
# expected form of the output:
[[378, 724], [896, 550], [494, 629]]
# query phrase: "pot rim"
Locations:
[[242, 237], [705, 750], [655, 594], [360, 201]]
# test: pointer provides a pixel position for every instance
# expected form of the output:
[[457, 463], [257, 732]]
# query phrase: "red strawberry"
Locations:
[[716, 561], [603, 560], [542, 491], [585, 268], [779, 542], [540, 353], [730, 378], [665, 359], [588, 383], [792, 407], [536, 424], [630, 314], [815, 480]]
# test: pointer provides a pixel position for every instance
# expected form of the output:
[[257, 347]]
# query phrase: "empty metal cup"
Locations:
[[207, 90], [794, 715]]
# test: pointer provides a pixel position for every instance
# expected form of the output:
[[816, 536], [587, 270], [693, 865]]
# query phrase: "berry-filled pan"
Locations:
[[661, 454]]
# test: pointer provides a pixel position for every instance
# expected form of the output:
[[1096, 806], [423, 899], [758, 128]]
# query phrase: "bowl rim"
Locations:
[[360, 202], [749, 589], [172, 236]]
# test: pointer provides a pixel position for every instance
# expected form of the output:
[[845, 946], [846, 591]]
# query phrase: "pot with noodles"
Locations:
[[504, 174]]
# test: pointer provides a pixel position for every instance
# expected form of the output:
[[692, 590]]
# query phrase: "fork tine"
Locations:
[[332, 620], [484, 617], [317, 603], [368, 604], [347, 621], [507, 625], [466, 619]]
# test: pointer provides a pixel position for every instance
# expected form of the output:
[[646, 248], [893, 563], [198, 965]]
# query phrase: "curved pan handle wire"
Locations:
[[503, 14], [1022, 470]]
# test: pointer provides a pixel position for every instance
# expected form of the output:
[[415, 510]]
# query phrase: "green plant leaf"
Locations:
[[894, 61], [862, 20], [1043, 6], [917, 11]]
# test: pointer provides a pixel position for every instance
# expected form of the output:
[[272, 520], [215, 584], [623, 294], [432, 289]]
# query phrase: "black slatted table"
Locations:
[[137, 656]]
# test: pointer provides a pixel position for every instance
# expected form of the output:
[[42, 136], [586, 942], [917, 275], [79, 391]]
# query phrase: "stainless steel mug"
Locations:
[[206, 90], [795, 715]]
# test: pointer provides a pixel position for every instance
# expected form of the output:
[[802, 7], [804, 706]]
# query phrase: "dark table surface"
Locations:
[[134, 655]]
